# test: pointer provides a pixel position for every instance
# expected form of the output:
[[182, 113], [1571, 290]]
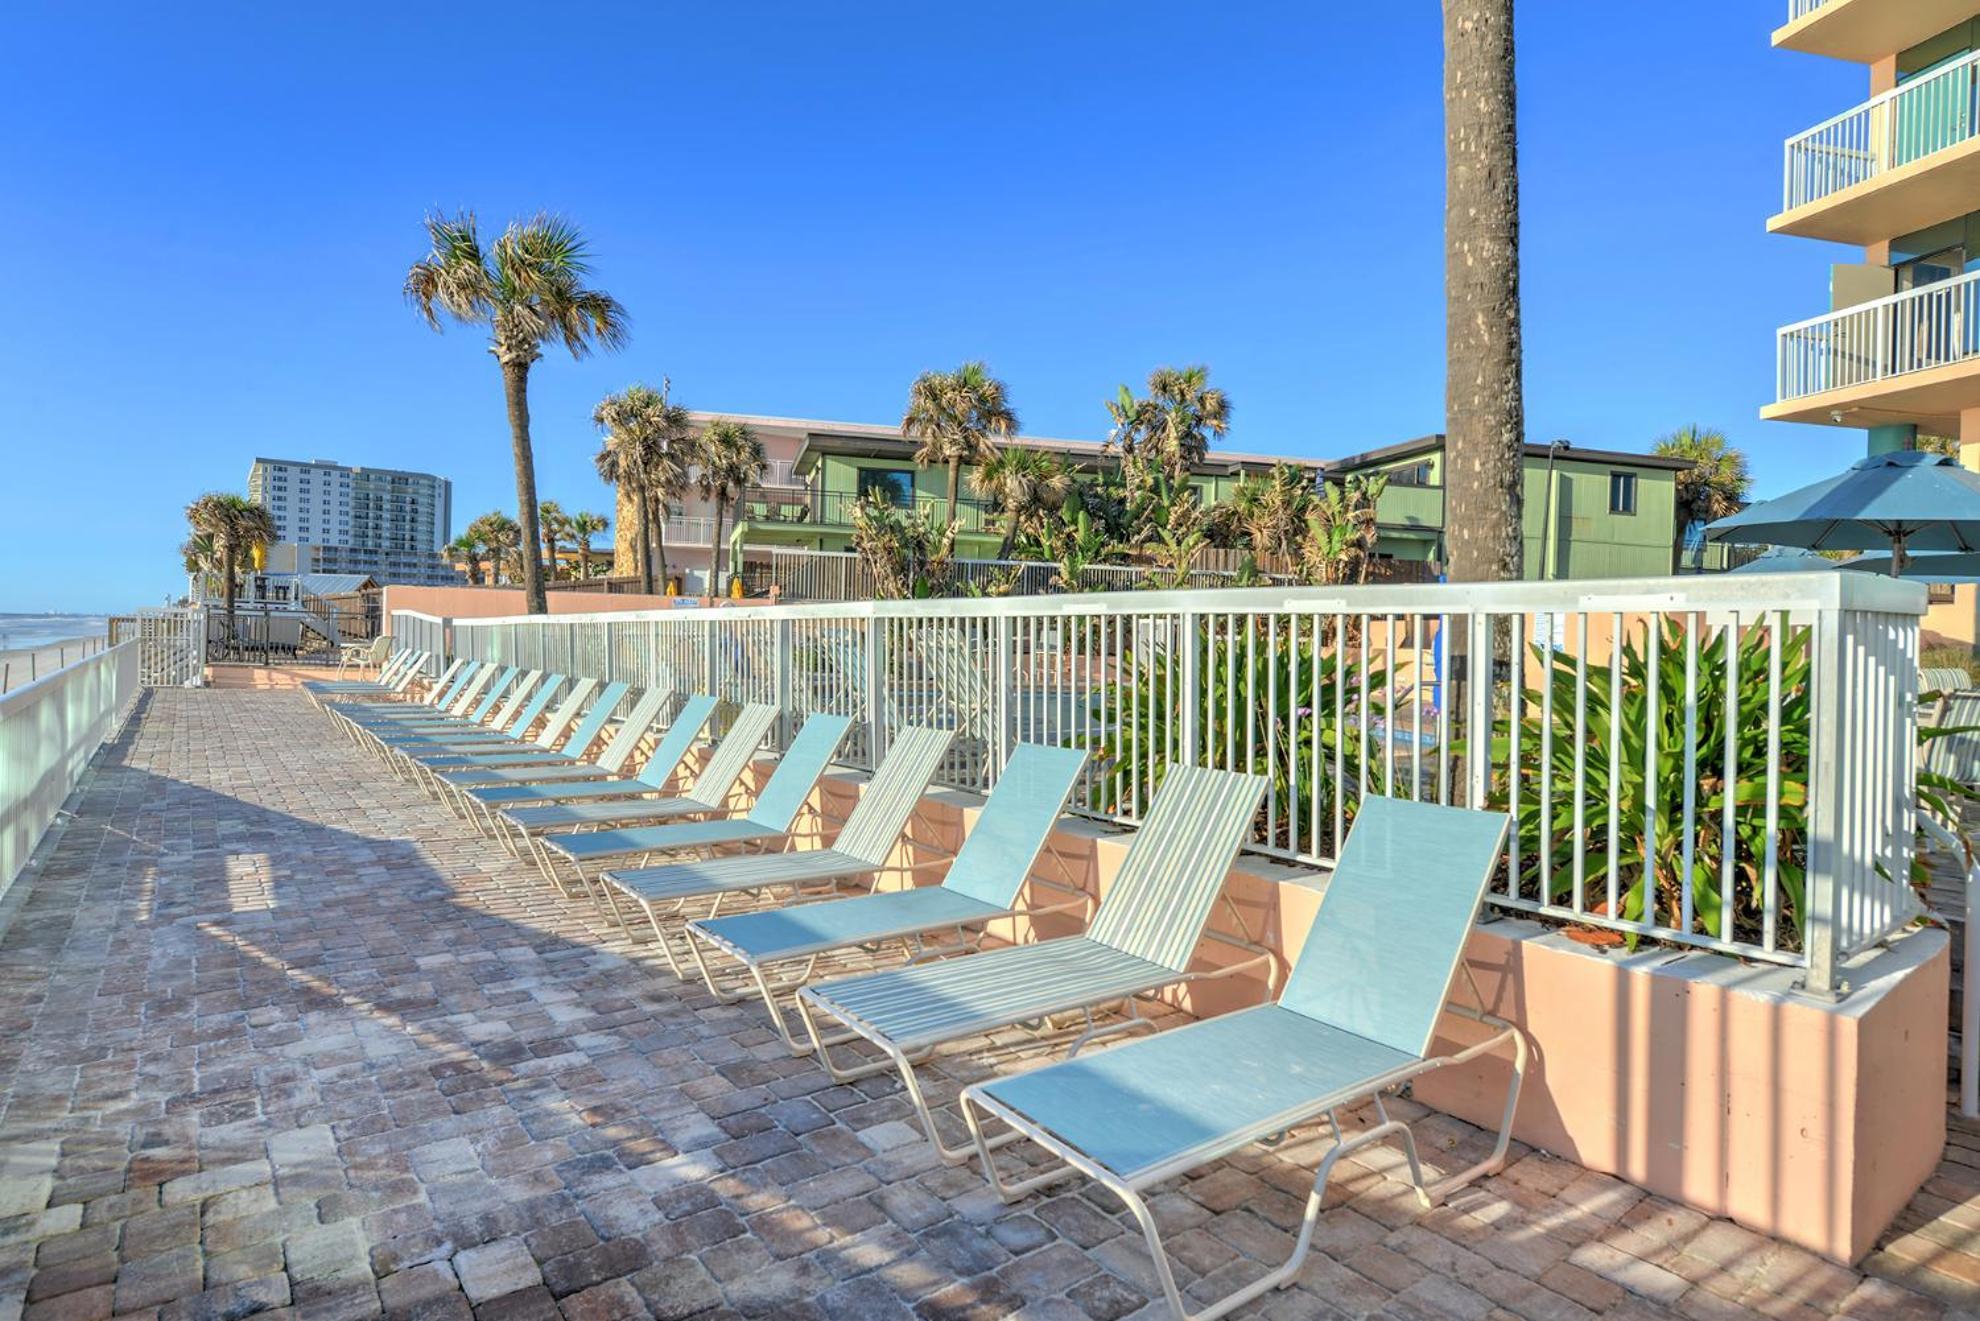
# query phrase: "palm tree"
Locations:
[[1484, 404], [528, 288], [503, 538], [234, 525], [1268, 513], [554, 524], [583, 527], [202, 560], [643, 453], [729, 458], [1027, 486], [1173, 426], [957, 416], [1716, 483], [468, 549]]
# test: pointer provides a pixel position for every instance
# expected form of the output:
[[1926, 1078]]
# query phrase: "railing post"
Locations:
[[1004, 675], [876, 687], [1191, 716], [1827, 855], [781, 650], [1476, 676], [710, 656]]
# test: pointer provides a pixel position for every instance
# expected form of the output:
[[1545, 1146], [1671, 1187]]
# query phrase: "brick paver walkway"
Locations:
[[280, 1036]]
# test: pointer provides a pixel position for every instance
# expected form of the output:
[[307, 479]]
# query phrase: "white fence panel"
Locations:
[[48, 732]]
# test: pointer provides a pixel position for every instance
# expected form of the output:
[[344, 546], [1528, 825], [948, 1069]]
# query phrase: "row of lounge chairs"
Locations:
[[1355, 1017]]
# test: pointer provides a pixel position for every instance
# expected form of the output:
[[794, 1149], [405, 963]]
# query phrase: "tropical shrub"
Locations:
[[1262, 696], [1647, 792]]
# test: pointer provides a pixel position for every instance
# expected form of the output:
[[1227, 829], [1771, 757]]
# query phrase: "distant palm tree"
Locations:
[[729, 458], [503, 538], [957, 416], [643, 452], [1484, 402], [1172, 427], [1267, 514], [202, 560], [1716, 483], [583, 527], [234, 525], [1027, 486], [468, 549], [553, 524], [528, 288]]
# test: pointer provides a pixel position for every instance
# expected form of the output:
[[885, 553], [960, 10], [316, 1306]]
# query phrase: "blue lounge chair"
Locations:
[[1356, 1018], [1141, 940], [398, 674], [535, 765], [710, 795], [770, 818], [862, 847], [981, 886]]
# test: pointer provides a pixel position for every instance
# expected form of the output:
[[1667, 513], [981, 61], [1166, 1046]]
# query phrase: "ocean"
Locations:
[[26, 632]]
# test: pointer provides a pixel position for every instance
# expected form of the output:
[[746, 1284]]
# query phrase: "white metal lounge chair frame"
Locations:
[[1079, 1010], [976, 1105], [712, 794], [611, 887], [967, 935]]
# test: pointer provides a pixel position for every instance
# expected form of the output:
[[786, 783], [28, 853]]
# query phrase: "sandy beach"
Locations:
[[23, 665]]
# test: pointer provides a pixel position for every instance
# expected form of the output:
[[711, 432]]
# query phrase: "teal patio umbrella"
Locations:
[[1904, 501]]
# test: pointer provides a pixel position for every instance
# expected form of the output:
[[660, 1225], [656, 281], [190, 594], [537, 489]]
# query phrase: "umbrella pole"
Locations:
[[1897, 555]]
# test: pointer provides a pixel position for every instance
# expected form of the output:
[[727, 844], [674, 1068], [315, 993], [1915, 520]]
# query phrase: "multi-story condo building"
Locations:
[[1590, 513], [1587, 513], [383, 522], [816, 471], [1897, 353]]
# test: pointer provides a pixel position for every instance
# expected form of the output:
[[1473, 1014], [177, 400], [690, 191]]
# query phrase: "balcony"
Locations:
[[773, 508], [1862, 31], [1912, 357], [1897, 163]]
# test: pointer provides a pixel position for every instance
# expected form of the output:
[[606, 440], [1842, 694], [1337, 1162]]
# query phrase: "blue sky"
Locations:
[[208, 211]]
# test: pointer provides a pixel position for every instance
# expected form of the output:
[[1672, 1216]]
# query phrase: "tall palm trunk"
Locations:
[[955, 472], [1484, 407], [657, 521], [515, 388], [228, 569], [549, 556], [584, 560], [715, 585]]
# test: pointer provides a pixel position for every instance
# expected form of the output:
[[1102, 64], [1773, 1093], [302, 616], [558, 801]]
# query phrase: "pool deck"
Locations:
[[280, 1036]]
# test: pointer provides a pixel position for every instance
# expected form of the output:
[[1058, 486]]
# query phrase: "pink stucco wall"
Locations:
[[1701, 1079]]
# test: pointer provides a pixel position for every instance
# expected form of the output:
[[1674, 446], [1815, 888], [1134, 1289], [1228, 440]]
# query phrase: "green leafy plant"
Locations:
[[1645, 789], [1265, 699]]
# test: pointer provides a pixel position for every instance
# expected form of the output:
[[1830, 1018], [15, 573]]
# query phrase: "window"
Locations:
[[894, 485], [1622, 492], [1416, 474]]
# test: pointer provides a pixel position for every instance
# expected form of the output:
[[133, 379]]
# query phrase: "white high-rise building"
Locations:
[[378, 521]]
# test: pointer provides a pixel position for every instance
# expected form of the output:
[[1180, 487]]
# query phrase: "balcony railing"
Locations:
[[1936, 325], [835, 508], [1797, 690], [1803, 8], [1902, 125]]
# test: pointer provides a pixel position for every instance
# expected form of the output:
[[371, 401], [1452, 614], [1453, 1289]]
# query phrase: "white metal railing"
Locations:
[[1624, 818], [414, 631], [48, 732], [1905, 124], [171, 644], [1935, 325], [1803, 8], [690, 530]]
